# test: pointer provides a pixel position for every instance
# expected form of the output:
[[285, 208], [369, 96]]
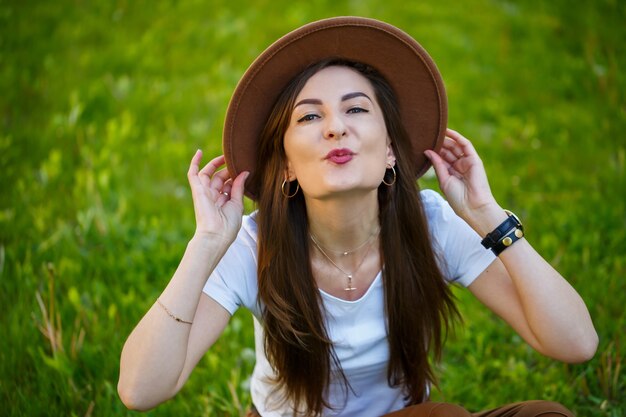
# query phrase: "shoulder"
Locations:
[[442, 221], [431, 198], [436, 208], [242, 252], [233, 282], [249, 225], [248, 233], [459, 252]]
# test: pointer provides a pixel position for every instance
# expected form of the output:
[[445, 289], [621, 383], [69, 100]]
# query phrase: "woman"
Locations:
[[344, 264]]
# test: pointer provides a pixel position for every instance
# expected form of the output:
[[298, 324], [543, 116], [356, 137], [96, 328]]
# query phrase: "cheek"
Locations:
[[296, 152], [379, 145]]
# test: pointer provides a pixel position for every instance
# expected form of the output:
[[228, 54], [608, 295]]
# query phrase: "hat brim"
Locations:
[[397, 56]]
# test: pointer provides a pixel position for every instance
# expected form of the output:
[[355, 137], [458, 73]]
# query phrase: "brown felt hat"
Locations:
[[396, 55]]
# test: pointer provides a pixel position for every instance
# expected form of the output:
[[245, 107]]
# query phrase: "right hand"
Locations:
[[217, 198]]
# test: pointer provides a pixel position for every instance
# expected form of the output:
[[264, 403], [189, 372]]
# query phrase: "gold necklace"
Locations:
[[347, 252], [349, 275]]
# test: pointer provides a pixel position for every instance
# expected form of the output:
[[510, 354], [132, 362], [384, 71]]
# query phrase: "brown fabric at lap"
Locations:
[[432, 409], [528, 409], [422, 410]]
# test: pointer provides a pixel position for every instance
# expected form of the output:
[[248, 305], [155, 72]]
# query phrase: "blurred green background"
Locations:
[[102, 104]]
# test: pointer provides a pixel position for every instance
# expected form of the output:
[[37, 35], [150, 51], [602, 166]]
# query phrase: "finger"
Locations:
[[210, 168], [236, 192], [448, 155], [225, 191], [466, 144], [456, 136], [454, 147], [194, 165], [459, 164], [227, 188], [219, 179], [223, 188], [441, 166], [226, 194]]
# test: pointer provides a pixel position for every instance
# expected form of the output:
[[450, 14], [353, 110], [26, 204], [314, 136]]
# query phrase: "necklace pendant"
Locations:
[[349, 287]]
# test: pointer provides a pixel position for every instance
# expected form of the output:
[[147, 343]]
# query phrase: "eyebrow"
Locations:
[[345, 97]]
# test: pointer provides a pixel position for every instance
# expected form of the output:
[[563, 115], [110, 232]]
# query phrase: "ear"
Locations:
[[391, 157], [290, 175]]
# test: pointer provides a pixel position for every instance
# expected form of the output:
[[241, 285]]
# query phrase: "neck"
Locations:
[[341, 224]]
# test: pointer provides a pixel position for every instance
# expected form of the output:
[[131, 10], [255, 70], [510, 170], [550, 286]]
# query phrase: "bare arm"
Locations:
[[520, 286], [160, 352], [523, 289]]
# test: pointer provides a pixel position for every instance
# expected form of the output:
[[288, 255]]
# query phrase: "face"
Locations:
[[337, 140]]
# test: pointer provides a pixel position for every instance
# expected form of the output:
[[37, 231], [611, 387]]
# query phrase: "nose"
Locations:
[[335, 128]]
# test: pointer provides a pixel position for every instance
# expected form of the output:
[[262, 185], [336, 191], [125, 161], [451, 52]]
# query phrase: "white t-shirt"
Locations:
[[357, 328]]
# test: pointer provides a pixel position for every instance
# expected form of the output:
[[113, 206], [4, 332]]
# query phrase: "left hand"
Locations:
[[461, 175]]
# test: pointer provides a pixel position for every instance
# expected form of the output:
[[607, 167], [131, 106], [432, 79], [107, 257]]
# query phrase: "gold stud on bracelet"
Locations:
[[507, 241], [519, 233]]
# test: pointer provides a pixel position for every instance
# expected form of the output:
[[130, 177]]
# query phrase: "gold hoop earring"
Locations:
[[389, 184], [282, 189]]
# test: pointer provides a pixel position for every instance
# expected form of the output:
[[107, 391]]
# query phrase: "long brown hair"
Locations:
[[418, 303]]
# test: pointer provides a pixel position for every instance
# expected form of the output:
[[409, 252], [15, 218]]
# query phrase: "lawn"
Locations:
[[102, 104]]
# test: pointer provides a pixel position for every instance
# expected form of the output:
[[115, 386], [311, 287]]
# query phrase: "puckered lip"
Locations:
[[339, 153]]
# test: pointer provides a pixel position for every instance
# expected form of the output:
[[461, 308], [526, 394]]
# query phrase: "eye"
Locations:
[[307, 118], [357, 110]]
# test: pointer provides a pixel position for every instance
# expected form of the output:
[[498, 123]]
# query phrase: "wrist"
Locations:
[[208, 248], [209, 242], [504, 235], [485, 219]]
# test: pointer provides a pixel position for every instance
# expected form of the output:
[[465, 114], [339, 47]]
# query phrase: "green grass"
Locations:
[[102, 104]]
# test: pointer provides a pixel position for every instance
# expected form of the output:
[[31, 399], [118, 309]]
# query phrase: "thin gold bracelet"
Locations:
[[169, 313]]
